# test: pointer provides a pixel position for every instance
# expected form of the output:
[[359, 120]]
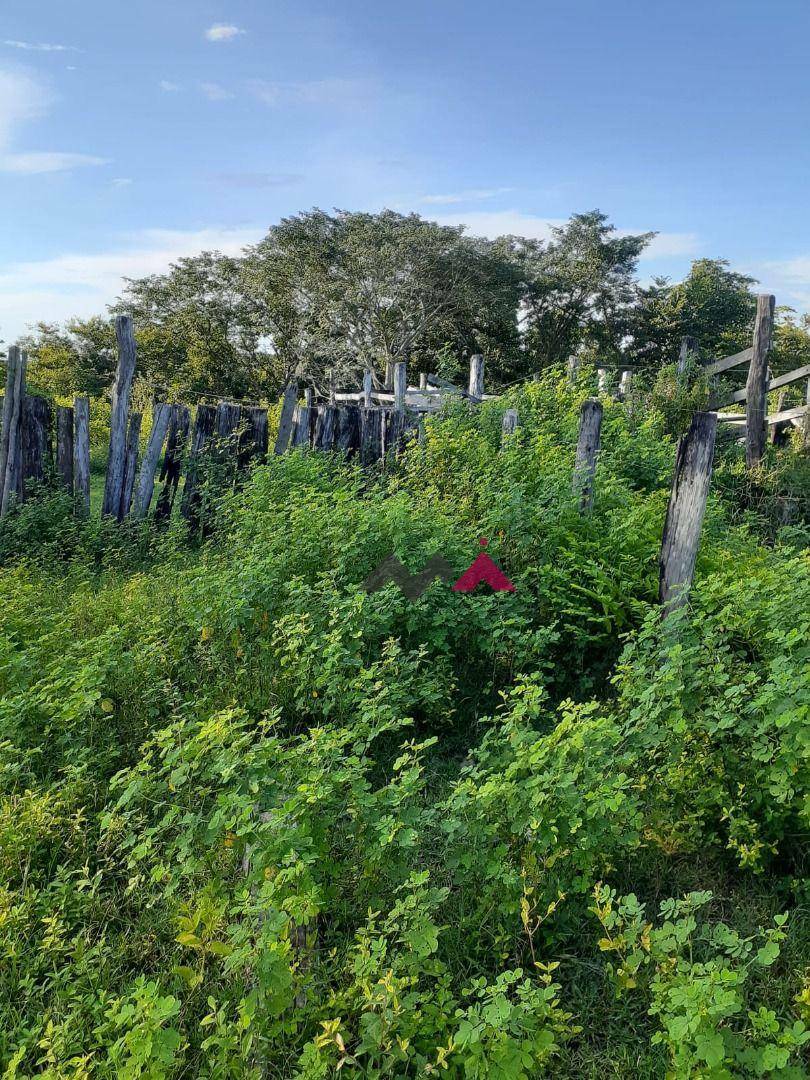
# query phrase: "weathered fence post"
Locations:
[[509, 425], [423, 381], [203, 431], [757, 384], [777, 433], [11, 445], [371, 435], [625, 382], [590, 435], [806, 432], [348, 430], [476, 384], [400, 384], [325, 427], [571, 367], [130, 465], [285, 422], [389, 375], [37, 444], [161, 415], [688, 348], [302, 434], [601, 380], [687, 505], [172, 460], [81, 451], [122, 386], [64, 445], [368, 384], [253, 443]]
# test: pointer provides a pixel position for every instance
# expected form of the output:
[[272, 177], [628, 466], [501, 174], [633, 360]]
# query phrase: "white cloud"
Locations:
[[337, 93], [787, 279], [668, 245], [24, 97], [82, 284], [222, 32], [168, 87], [40, 46], [473, 195], [121, 181], [214, 92]]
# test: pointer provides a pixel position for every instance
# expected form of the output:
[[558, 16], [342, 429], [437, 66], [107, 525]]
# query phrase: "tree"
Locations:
[[713, 304], [78, 359], [352, 290], [578, 289]]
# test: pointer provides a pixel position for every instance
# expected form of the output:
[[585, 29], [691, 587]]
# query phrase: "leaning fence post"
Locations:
[[757, 385], [688, 347], [146, 478], [590, 435], [81, 451], [64, 445], [285, 422], [687, 505], [476, 385], [122, 386], [509, 425]]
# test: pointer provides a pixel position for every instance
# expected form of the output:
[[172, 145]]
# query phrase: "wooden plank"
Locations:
[[509, 425], [325, 427], [347, 439], [588, 442], [302, 432], [12, 364], [254, 440], [773, 384], [37, 442], [687, 506], [777, 429], [475, 387], [204, 430], [795, 413], [161, 415], [285, 422], [12, 481], [371, 435], [64, 445], [757, 396], [393, 431], [81, 452], [130, 465], [227, 421], [121, 390], [729, 362], [170, 470]]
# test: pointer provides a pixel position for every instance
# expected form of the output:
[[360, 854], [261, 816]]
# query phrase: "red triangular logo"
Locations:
[[483, 569]]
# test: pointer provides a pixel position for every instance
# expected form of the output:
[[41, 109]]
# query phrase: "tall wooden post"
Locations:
[[172, 460], [64, 445], [12, 478], [688, 347], [476, 385], [687, 505], [81, 452], [122, 387], [368, 383], [625, 382], [285, 423], [423, 381], [509, 425], [161, 416], [204, 427], [400, 384], [325, 427], [757, 385], [12, 363], [590, 435], [37, 442]]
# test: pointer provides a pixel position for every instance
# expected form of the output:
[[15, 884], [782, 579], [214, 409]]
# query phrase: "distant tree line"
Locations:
[[324, 296]]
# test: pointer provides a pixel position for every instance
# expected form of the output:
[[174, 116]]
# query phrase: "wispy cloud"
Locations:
[[472, 195], [788, 279], [83, 283], [168, 87], [336, 93], [214, 92], [222, 32], [40, 46], [24, 97]]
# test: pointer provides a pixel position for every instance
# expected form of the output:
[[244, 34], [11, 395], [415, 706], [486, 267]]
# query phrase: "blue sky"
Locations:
[[133, 133]]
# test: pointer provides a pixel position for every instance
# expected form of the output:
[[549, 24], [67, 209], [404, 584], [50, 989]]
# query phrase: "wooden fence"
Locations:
[[371, 425]]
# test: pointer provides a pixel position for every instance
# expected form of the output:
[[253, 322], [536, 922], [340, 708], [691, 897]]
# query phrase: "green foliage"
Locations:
[[256, 821]]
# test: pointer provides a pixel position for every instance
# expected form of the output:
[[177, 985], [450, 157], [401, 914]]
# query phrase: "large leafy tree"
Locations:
[[345, 291], [713, 304], [579, 289]]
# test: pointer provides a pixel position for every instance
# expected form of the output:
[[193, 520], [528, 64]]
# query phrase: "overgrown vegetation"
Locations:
[[258, 822]]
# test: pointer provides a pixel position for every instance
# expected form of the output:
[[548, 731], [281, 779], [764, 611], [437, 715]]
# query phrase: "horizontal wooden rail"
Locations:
[[728, 362], [774, 384]]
